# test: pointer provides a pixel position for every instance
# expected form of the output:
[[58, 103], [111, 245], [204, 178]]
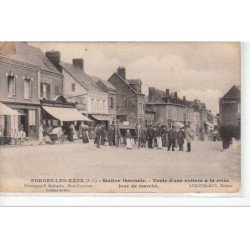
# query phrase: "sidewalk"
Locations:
[[37, 143]]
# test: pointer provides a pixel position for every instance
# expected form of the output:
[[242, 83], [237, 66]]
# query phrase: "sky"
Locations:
[[202, 70]]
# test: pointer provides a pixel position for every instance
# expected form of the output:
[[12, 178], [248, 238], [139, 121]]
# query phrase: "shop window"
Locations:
[[32, 121], [11, 81], [73, 87], [27, 88]]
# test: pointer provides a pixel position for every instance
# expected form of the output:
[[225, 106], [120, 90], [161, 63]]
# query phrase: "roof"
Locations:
[[23, 52], [158, 95], [107, 84], [127, 83], [94, 78], [238, 87], [233, 92], [81, 77]]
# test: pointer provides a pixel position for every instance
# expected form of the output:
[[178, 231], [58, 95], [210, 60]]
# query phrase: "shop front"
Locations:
[[105, 120], [63, 117], [24, 117]]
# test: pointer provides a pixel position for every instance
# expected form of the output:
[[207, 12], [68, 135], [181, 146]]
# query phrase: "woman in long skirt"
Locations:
[[71, 133], [128, 138], [85, 138]]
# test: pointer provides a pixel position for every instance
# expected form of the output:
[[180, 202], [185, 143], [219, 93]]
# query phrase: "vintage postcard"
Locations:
[[120, 117]]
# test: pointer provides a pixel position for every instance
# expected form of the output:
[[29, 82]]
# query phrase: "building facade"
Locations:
[[79, 87], [130, 104], [26, 75], [111, 90], [169, 108]]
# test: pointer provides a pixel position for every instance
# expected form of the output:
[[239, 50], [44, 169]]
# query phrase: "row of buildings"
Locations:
[[45, 90]]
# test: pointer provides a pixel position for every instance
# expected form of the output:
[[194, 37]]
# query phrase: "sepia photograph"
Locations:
[[120, 117]]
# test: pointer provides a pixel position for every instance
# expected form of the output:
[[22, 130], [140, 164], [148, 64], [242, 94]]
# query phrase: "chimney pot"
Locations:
[[121, 71], [175, 94], [78, 63], [167, 92], [184, 98], [151, 94]]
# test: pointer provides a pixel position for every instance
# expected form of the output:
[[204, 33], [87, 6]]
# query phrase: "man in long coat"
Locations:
[[180, 138], [98, 135], [158, 135], [150, 136], [171, 138], [117, 134]]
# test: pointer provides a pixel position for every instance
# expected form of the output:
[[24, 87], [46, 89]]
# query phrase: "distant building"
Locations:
[[230, 107], [130, 105], [169, 108], [203, 118]]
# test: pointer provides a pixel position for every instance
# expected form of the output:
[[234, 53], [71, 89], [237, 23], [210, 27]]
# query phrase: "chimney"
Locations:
[[151, 94], [175, 94], [54, 57], [184, 98], [121, 71], [78, 63], [167, 92]]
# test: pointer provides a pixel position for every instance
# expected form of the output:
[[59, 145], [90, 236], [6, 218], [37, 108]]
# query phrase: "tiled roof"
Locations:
[[23, 52], [108, 84], [81, 77]]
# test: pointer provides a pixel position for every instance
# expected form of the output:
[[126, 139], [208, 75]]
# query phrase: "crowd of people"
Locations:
[[152, 136]]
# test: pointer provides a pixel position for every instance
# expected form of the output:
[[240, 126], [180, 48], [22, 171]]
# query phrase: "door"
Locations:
[[24, 120]]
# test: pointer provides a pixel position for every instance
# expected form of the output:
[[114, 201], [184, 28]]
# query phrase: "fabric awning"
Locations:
[[102, 117], [5, 110], [209, 124], [66, 114]]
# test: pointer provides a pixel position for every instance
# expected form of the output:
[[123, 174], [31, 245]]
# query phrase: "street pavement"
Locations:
[[76, 160]]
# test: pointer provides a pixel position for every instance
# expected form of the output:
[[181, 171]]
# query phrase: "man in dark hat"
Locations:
[[171, 138], [150, 136]]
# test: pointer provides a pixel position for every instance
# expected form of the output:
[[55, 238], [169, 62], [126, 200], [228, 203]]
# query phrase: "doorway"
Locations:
[[24, 121]]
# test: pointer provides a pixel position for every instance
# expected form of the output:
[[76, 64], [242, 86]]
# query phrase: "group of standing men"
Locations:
[[151, 137], [162, 136]]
